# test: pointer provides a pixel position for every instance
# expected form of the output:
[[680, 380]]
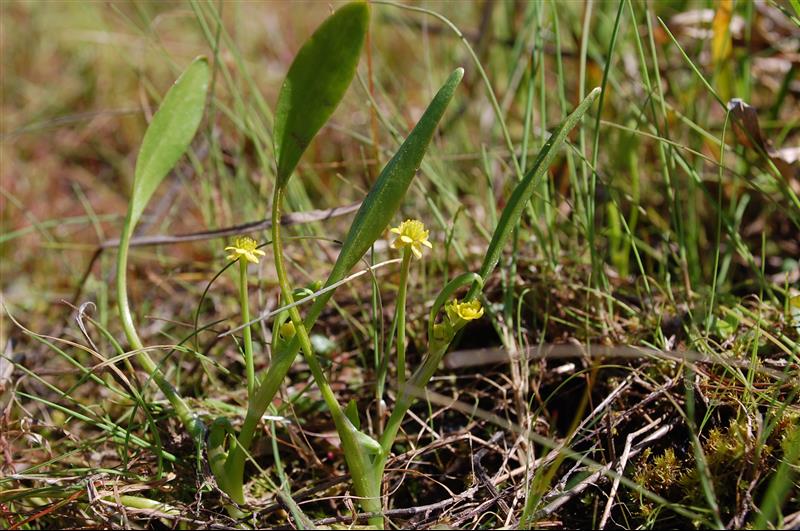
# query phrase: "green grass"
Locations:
[[656, 226]]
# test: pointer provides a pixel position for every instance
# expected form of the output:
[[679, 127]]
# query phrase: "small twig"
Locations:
[[405, 512], [483, 477], [553, 454], [623, 461], [599, 475], [460, 359], [294, 218], [478, 510]]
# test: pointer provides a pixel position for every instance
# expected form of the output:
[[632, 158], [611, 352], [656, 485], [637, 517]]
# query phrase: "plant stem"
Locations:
[[418, 380], [265, 391], [246, 332], [400, 312], [190, 421], [365, 481], [286, 290]]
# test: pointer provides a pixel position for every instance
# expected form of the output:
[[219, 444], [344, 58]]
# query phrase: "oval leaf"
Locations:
[[169, 134], [316, 83]]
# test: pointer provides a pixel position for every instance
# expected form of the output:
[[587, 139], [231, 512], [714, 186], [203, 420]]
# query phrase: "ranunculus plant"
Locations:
[[315, 84]]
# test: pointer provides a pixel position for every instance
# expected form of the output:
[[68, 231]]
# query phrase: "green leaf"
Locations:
[[219, 432], [388, 192], [351, 412], [316, 82], [524, 190], [165, 141], [796, 6], [169, 134]]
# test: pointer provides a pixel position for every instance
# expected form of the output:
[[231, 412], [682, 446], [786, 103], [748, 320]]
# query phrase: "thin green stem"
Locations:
[[190, 421], [286, 291], [401, 318], [589, 200], [365, 481], [597, 269], [246, 332], [418, 380], [265, 391]]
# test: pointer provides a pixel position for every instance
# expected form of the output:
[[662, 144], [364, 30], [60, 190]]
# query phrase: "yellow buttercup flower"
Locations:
[[468, 311], [288, 330], [244, 247], [411, 233]]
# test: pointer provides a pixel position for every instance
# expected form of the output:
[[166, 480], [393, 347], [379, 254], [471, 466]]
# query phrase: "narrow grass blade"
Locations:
[[524, 190], [781, 484]]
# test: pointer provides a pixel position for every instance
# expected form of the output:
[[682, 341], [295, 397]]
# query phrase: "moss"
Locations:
[[734, 457], [661, 474]]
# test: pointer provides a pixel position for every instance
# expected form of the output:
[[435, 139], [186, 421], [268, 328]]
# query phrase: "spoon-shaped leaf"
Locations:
[[169, 134], [316, 83], [166, 140]]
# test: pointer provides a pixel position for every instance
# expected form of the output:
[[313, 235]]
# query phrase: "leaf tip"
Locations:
[[361, 9]]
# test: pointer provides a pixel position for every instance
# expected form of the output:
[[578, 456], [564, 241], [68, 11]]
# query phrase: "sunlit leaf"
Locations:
[[386, 195], [316, 82], [169, 133]]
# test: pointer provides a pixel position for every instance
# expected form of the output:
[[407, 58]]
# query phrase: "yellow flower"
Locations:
[[244, 247], [411, 233], [468, 311], [288, 330]]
